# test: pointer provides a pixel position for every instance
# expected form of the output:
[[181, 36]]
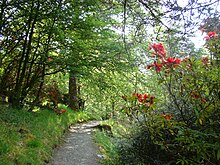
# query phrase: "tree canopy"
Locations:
[[80, 38]]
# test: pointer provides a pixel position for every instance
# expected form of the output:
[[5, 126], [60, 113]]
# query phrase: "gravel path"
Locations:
[[78, 147]]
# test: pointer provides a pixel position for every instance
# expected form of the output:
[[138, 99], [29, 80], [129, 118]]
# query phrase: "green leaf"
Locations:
[[200, 121], [171, 131], [218, 155], [197, 113]]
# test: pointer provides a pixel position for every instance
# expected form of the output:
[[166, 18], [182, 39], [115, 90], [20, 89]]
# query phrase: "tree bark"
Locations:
[[73, 92]]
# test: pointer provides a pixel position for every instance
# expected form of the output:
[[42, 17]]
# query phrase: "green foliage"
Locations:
[[107, 147], [29, 137], [43, 38], [139, 148], [103, 90], [43, 41], [185, 130]]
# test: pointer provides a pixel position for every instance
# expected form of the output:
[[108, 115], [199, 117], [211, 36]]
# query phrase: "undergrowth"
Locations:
[[29, 137], [106, 147], [109, 143]]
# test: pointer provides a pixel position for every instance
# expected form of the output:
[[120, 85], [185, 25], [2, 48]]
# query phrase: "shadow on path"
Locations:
[[78, 147]]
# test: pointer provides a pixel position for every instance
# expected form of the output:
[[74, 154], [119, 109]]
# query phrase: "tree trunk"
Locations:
[[73, 92]]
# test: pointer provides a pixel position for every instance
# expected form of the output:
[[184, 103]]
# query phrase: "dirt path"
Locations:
[[78, 147]]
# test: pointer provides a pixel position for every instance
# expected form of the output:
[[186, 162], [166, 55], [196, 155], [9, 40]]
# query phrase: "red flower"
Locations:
[[203, 100], [59, 112], [177, 61], [159, 49], [172, 60], [158, 66], [150, 66], [140, 99], [139, 95], [168, 117], [145, 96], [212, 34], [62, 110], [152, 99], [205, 60]]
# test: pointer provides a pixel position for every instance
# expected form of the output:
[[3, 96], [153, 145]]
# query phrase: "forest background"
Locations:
[[131, 61]]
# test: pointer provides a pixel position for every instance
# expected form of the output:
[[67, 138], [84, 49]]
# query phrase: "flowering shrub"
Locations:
[[158, 49], [189, 129], [137, 104], [51, 95], [166, 116], [161, 61]]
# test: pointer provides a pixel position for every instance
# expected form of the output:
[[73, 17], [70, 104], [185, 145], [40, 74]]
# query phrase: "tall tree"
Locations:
[[27, 39], [41, 38], [93, 46]]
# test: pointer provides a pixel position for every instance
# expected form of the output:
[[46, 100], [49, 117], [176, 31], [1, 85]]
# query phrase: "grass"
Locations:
[[107, 147], [109, 144], [111, 147], [29, 137]]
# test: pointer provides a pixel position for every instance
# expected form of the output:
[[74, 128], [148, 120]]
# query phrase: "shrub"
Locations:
[[187, 132]]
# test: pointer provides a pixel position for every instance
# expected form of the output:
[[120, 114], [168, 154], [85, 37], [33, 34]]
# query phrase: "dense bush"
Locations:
[[186, 130], [141, 149]]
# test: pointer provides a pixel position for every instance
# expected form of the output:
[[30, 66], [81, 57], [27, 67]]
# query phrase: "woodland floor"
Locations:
[[78, 147]]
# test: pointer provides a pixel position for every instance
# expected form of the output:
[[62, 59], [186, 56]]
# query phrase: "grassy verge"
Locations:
[[116, 147], [29, 137], [108, 143], [107, 147]]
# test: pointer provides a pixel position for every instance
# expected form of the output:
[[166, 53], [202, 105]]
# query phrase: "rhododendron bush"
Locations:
[[188, 127]]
